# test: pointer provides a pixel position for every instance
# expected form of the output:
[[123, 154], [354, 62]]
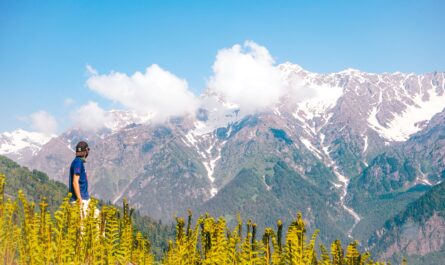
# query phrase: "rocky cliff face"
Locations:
[[418, 230], [419, 239]]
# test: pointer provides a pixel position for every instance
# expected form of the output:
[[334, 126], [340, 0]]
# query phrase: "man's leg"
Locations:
[[84, 209], [85, 205]]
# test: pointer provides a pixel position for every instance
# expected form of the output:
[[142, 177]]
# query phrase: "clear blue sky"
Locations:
[[45, 45]]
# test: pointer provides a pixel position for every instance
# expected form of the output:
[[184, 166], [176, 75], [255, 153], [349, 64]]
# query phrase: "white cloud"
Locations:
[[43, 122], [91, 70], [246, 76], [90, 116], [156, 91]]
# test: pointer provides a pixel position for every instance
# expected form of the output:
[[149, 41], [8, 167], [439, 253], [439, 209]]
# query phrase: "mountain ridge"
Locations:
[[337, 132]]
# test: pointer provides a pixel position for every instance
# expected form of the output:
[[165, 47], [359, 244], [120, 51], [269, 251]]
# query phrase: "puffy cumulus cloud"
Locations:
[[90, 116], [43, 122], [297, 91], [156, 92], [246, 76]]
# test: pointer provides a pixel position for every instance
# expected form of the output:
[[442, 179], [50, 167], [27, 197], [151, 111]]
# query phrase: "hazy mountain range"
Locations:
[[350, 150]]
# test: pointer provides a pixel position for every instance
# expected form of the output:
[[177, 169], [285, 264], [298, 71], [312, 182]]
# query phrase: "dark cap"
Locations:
[[82, 146]]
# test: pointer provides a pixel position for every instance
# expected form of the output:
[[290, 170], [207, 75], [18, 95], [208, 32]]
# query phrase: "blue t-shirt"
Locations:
[[77, 167]]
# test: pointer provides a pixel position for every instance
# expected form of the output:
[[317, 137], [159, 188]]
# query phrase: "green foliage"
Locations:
[[376, 210], [70, 237], [248, 121], [425, 206], [388, 172], [281, 135], [30, 236], [274, 195], [157, 232], [347, 155], [148, 146], [212, 242], [381, 191], [37, 186], [34, 184]]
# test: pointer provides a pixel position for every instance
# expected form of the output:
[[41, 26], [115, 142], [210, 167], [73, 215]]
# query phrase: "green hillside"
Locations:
[[36, 185], [281, 192]]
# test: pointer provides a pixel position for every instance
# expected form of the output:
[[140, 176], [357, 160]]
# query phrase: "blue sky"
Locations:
[[46, 45]]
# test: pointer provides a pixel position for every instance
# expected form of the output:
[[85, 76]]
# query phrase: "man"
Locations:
[[78, 182]]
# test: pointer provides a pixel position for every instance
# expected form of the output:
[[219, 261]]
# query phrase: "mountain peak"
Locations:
[[119, 119], [350, 71], [290, 67]]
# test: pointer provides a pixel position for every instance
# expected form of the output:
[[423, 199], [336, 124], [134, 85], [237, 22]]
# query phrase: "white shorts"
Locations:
[[85, 204]]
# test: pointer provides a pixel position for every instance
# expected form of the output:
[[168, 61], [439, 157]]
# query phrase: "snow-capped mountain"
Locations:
[[367, 111], [119, 119], [330, 136], [395, 105], [21, 144]]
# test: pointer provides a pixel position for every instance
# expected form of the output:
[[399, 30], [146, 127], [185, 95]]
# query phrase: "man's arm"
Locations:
[[77, 187]]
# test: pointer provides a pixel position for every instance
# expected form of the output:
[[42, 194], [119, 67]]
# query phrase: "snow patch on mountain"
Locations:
[[325, 97], [311, 148], [407, 122], [15, 141], [343, 185], [192, 140], [268, 188], [119, 119], [365, 139], [210, 165], [306, 125], [423, 179], [202, 128], [207, 146], [288, 68]]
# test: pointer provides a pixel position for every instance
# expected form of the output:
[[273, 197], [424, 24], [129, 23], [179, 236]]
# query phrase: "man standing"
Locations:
[[78, 182]]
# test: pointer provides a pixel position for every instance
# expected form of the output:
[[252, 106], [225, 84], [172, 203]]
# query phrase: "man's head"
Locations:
[[82, 149]]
